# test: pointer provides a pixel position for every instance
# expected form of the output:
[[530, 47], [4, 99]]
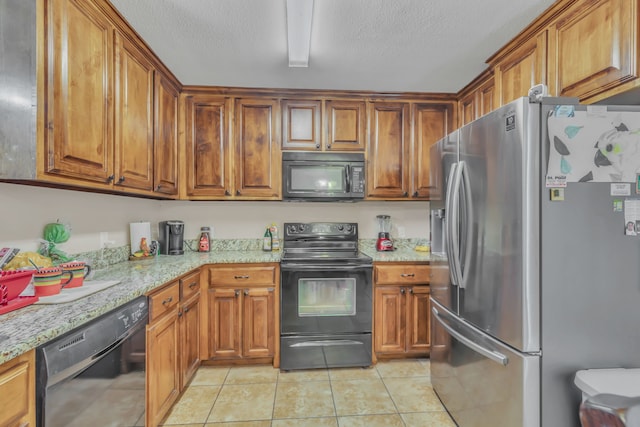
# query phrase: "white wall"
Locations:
[[25, 210]]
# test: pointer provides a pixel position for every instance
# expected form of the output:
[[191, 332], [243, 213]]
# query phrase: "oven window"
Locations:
[[326, 297], [318, 178]]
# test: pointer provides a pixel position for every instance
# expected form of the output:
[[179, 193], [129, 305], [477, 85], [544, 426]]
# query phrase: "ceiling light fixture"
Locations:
[[299, 17]]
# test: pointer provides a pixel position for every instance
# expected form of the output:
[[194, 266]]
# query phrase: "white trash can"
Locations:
[[610, 397]]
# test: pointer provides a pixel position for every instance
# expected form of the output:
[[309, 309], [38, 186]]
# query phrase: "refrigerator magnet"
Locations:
[[556, 194]]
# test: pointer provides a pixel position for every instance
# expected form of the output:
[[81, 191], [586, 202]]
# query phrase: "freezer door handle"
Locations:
[[489, 354], [453, 223], [464, 275]]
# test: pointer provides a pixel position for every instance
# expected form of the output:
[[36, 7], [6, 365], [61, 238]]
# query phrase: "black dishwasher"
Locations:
[[94, 375]]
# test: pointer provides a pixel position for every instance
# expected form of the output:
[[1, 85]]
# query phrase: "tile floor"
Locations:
[[393, 393]]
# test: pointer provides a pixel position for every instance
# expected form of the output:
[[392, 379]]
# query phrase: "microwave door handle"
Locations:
[[347, 171]]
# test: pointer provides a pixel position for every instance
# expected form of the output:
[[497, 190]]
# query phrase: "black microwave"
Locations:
[[313, 176]]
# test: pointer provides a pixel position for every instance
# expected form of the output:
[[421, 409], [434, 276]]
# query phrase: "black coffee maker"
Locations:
[[171, 237]]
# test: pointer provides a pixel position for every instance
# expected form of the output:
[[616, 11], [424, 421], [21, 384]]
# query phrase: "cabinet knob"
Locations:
[[158, 187], [411, 291], [227, 193], [328, 146], [246, 292], [111, 178], [237, 292], [405, 194], [121, 180], [402, 291], [193, 285], [238, 193], [317, 146], [186, 309], [180, 314], [415, 194]]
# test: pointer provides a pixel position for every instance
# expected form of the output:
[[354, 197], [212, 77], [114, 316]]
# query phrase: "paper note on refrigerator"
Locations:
[[589, 147], [632, 217]]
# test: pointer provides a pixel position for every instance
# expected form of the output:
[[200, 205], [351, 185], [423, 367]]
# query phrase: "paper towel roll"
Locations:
[[137, 231]]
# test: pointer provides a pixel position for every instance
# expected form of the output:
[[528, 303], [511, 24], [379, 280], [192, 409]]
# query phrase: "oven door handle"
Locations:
[[324, 267], [326, 343]]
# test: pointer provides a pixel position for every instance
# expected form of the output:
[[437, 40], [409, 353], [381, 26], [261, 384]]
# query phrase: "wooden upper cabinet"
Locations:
[[593, 47], [257, 153], [486, 97], [431, 122], [134, 117], [388, 168], [467, 108], [166, 136], [345, 125], [79, 93], [477, 98], [301, 124], [207, 145], [522, 68]]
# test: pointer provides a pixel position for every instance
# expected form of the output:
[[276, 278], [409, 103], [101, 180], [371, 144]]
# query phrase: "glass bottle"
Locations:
[[266, 240]]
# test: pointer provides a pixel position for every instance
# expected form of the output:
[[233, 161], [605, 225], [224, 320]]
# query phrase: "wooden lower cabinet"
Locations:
[[190, 317], [242, 307], [17, 386], [401, 310]]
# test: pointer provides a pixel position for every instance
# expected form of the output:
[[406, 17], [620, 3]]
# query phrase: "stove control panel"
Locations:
[[326, 229]]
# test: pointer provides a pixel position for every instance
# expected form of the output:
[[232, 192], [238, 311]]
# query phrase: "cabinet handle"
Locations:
[[246, 291], [111, 178], [237, 292], [402, 291], [407, 275], [241, 277], [167, 301], [193, 285], [120, 180], [227, 193]]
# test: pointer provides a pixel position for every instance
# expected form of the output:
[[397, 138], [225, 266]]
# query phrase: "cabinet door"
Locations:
[[389, 319], [166, 137], [163, 378], [225, 333], [467, 108], [258, 322], [593, 47], [17, 386], [134, 117], [301, 124], [388, 165], [79, 86], [418, 313], [485, 100], [190, 339], [345, 125], [522, 69], [208, 156], [431, 123], [257, 153]]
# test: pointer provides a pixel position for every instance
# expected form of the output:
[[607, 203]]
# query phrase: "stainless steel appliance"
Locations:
[[171, 237], [95, 374], [312, 176], [539, 287], [326, 297]]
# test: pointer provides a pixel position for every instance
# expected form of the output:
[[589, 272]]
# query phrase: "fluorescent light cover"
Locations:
[[299, 17]]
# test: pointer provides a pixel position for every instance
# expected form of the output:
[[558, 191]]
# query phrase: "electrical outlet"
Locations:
[[401, 231], [104, 240]]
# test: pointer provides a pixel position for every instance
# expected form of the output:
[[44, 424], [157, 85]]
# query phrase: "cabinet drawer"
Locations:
[[163, 301], [240, 275], [402, 274], [189, 285]]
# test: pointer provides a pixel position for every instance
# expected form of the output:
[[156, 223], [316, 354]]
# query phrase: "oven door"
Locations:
[[325, 299]]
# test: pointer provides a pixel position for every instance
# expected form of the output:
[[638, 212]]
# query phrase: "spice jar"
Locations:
[[203, 245]]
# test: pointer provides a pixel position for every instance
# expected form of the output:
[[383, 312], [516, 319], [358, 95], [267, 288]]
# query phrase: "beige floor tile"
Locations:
[[428, 419], [392, 420], [340, 374], [304, 375], [361, 397], [403, 368], [413, 394], [263, 423], [244, 402], [210, 375], [252, 375], [306, 422], [194, 405], [183, 425], [303, 400]]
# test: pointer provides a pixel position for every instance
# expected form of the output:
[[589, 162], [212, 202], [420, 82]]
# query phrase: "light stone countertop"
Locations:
[[27, 328]]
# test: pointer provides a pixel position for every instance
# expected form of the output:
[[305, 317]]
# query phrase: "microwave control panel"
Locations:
[[357, 179]]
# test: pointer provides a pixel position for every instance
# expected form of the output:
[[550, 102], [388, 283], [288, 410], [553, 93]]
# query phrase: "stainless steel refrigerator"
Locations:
[[543, 279]]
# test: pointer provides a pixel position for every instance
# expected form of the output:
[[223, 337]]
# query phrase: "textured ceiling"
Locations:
[[378, 45]]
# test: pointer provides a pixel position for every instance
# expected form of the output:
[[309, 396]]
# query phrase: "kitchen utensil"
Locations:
[[34, 264], [15, 281]]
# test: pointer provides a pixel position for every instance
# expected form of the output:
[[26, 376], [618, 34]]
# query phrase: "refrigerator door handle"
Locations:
[[489, 354], [448, 220], [468, 226], [454, 226]]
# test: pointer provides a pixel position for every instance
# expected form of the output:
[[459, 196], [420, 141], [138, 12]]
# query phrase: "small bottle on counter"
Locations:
[[275, 242], [204, 244], [266, 240]]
